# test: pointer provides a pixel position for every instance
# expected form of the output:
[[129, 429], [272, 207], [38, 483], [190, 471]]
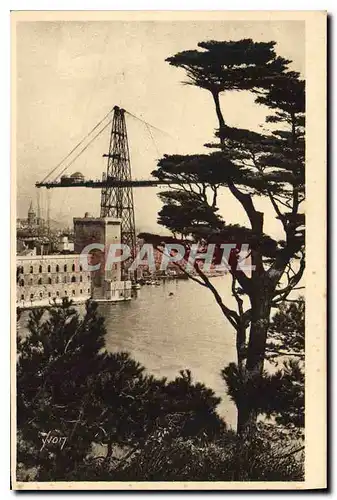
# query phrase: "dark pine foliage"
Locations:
[[280, 393], [248, 165], [69, 385]]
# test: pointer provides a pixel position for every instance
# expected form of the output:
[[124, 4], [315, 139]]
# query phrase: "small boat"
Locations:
[[136, 286]]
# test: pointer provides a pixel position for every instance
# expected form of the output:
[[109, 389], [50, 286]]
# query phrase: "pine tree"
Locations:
[[68, 386], [58, 363], [284, 390], [248, 164]]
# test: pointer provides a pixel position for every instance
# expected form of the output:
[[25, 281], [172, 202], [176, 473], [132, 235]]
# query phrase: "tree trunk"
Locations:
[[253, 371], [219, 113], [241, 347], [251, 375]]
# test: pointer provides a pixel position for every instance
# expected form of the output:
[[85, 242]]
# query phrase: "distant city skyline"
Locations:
[[71, 73]]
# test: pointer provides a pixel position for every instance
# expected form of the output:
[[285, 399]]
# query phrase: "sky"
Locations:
[[70, 74]]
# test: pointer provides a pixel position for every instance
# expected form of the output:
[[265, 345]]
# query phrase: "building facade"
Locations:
[[42, 280]]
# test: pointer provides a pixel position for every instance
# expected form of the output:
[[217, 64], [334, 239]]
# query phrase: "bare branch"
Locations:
[[285, 353], [231, 315], [237, 296], [193, 278], [287, 205], [282, 294]]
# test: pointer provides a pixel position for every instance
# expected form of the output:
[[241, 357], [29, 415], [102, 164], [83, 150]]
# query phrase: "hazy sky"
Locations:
[[70, 74]]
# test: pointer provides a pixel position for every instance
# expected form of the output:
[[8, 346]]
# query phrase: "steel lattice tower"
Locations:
[[118, 201]]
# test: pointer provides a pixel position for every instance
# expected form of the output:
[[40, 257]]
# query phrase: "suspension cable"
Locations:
[[148, 124], [152, 138], [77, 146], [82, 150]]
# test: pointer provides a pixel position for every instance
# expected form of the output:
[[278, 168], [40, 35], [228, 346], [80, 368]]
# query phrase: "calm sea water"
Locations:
[[168, 333]]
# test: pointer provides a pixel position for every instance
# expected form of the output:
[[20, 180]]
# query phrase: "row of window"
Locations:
[[20, 269], [56, 294], [50, 281]]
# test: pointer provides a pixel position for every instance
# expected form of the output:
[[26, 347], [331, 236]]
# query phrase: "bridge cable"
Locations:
[[77, 146], [148, 124], [82, 150], [152, 138]]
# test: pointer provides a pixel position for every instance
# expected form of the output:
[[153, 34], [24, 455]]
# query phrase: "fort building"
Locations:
[[43, 279]]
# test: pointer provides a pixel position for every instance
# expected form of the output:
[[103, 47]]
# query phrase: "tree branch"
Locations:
[[237, 296], [193, 278], [282, 294], [231, 315]]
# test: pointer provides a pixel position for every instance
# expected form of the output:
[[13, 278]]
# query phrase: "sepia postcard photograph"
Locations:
[[168, 250]]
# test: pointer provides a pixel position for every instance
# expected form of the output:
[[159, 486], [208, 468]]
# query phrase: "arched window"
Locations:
[[65, 292], [73, 267], [81, 278], [81, 268], [40, 269], [73, 292], [49, 269], [31, 269], [40, 295], [88, 290], [81, 290], [39, 282], [57, 268], [31, 296], [65, 268], [57, 294], [22, 282], [49, 281], [49, 294], [57, 279], [73, 279], [22, 297]]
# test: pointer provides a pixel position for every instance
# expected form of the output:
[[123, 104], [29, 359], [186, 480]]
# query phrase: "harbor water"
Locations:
[[175, 326]]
